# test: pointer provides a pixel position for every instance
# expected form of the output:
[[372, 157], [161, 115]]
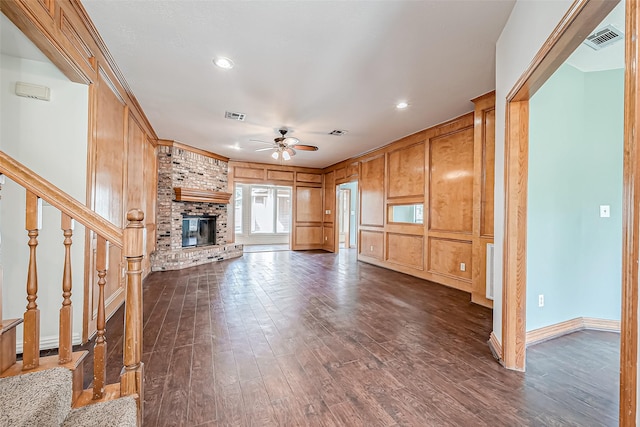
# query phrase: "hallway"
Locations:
[[313, 338]]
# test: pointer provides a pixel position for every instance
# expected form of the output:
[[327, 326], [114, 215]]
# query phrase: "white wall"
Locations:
[[529, 25], [51, 139]]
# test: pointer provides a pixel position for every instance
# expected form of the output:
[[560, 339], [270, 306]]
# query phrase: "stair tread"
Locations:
[[47, 363], [121, 412], [41, 398]]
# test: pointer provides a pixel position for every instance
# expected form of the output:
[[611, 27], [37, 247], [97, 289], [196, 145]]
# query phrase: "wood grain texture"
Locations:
[[309, 177], [308, 204], [329, 197], [198, 195], [405, 171], [515, 241], [451, 182], [445, 257], [372, 244], [630, 222], [405, 250], [371, 186], [340, 342], [488, 175], [278, 175], [483, 193], [306, 235], [252, 173]]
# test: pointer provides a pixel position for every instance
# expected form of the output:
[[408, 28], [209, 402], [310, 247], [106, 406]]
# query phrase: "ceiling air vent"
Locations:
[[234, 116], [604, 37], [337, 132]]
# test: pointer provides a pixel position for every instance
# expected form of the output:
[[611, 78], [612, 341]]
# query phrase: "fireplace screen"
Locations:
[[198, 231]]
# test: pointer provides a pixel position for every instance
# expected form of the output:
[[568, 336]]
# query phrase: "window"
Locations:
[[237, 203], [283, 215], [413, 214], [262, 210]]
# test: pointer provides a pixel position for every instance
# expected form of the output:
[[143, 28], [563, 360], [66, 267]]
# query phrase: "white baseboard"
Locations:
[[572, 325], [50, 342]]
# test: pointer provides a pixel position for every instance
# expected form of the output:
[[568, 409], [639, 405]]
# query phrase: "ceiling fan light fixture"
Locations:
[[286, 155], [290, 141], [275, 155], [223, 62]]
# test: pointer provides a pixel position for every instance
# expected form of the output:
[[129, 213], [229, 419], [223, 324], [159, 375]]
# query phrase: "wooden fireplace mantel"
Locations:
[[197, 195]]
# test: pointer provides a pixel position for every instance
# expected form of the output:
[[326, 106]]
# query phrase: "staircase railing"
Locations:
[[129, 239]]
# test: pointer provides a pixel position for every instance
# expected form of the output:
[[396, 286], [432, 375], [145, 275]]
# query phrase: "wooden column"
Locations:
[[66, 312], [131, 375], [31, 344], [100, 348]]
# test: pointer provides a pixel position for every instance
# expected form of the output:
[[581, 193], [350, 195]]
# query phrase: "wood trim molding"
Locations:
[[197, 195], [572, 325], [630, 221], [170, 143], [496, 348], [59, 199], [516, 154], [583, 16], [580, 20]]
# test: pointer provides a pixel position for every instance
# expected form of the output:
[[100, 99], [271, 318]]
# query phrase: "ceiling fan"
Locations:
[[284, 147]]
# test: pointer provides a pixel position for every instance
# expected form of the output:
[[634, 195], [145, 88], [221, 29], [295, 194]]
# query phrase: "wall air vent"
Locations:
[[234, 116], [337, 132], [604, 37]]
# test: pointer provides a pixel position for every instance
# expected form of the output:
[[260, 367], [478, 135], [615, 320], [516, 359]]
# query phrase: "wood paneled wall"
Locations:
[[449, 170], [121, 167], [483, 192], [307, 196]]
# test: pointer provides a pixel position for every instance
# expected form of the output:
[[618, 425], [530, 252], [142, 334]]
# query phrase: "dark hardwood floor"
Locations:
[[312, 338]]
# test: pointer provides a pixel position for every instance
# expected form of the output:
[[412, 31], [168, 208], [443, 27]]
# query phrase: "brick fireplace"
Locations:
[[182, 168]]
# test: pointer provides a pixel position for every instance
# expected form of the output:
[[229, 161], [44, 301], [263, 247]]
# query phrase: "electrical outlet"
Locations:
[[463, 266], [605, 211], [540, 300], [326, 238], [371, 249], [327, 212]]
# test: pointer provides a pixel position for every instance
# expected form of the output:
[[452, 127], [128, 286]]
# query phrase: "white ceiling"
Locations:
[[311, 66]]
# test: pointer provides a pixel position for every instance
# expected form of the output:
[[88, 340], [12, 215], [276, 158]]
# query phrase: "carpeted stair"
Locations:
[[43, 398]]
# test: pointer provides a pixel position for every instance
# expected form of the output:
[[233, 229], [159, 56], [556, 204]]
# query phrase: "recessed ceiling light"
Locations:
[[401, 105], [223, 62]]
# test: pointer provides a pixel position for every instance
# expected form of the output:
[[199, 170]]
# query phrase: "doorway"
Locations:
[[347, 195], [581, 19], [262, 217]]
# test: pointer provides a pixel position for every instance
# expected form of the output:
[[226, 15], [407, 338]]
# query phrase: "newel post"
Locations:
[[131, 375]]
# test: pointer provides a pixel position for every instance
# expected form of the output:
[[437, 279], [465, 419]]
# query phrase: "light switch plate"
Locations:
[[605, 211]]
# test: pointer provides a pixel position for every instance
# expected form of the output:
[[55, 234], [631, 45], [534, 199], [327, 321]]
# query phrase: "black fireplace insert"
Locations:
[[198, 230]]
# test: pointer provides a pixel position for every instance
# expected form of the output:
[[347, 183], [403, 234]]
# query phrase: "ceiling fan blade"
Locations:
[[306, 147], [265, 149]]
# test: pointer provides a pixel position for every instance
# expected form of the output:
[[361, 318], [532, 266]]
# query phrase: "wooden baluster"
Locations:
[[31, 343], [100, 348], [65, 354], [131, 375]]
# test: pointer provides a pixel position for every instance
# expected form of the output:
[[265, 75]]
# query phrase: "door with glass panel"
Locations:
[[262, 214]]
